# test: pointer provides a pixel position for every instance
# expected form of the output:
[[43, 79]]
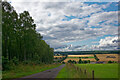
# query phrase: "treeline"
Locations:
[[89, 52], [20, 40]]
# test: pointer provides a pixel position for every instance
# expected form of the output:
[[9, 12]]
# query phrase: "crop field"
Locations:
[[76, 57], [91, 59], [107, 57], [87, 55]]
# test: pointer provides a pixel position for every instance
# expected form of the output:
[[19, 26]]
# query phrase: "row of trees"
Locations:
[[80, 61], [20, 39]]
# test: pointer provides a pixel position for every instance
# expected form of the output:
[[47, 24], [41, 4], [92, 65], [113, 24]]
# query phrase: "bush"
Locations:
[[5, 64], [70, 61], [15, 61], [74, 62], [85, 61], [63, 62], [55, 58], [88, 61], [80, 61], [112, 62], [96, 57]]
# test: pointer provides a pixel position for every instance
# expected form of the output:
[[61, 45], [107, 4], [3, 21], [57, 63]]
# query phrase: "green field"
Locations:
[[101, 71], [24, 70]]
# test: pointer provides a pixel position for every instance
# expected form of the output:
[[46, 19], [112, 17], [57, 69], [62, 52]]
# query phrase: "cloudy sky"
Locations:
[[74, 26]]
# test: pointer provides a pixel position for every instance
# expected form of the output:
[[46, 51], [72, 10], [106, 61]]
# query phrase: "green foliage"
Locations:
[[70, 61], [15, 61], [5, 63], [112, 62], [80, 61], [20, 41], [26, 69], [55, 58], [63, 62], [96, 57], [85, 61]]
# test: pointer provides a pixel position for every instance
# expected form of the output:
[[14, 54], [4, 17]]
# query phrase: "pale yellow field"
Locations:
[[91, 59], [102, 57], [88, 55]]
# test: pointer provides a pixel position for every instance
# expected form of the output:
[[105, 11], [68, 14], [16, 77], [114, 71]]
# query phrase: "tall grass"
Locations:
[[24, 70], [72, 71]]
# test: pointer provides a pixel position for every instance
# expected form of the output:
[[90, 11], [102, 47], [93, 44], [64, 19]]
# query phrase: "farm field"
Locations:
[[76, 57], [100, 71], [101, 57], [107, 57], [87, 55]]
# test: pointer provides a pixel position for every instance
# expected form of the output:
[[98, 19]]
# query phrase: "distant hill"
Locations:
[[88, 52]]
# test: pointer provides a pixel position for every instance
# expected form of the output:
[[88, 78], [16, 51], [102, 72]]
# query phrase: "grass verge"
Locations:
[[25, 70], [69, 71]]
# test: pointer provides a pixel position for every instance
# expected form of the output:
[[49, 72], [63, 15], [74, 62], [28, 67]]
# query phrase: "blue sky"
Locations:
[[75, 26], [113, 6]]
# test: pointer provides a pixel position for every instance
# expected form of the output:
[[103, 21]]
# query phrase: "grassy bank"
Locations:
[[100, 71], [69, 72], [24, 70]]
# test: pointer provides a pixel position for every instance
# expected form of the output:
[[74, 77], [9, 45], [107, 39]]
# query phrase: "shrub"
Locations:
[[55, 58], [96, 57], [88, 61], [80, 61], [109, 61], [70, 61], [112, 62], [85, 61], [63, 62], [5, 64], [15, 61]]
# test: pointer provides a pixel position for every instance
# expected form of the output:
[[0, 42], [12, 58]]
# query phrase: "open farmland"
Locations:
[[101, 71], [107, 57], [76, 57], [87, 55], [91, 59]]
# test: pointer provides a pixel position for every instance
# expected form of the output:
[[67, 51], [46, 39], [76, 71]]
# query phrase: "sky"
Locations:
[[75, 25]]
